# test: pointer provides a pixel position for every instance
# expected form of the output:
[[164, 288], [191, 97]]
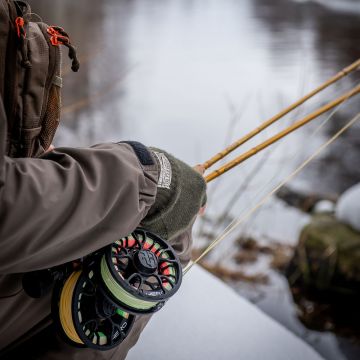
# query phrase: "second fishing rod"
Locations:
[[315, 114]]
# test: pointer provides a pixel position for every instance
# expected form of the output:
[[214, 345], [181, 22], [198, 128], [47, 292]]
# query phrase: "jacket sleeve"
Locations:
[[182, 244], [70, 203]]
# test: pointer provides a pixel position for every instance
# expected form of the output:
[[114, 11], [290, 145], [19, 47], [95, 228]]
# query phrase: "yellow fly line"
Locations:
[[65, 312], [344, 72]]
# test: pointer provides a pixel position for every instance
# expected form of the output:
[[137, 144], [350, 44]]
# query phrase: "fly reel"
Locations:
[[94, 307], [140, 272], [85, 317]]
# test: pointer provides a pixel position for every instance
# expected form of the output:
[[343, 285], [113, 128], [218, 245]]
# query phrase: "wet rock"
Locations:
[[324, 277], [327, 258]]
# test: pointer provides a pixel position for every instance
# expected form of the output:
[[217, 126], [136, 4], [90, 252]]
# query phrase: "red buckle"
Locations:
[[19, 22], [56, 38]]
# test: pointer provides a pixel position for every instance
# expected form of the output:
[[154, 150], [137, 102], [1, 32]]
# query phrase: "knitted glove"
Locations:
[[180, 195]]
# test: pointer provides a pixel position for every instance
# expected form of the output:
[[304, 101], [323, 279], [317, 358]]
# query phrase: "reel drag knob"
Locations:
[[145, 262]]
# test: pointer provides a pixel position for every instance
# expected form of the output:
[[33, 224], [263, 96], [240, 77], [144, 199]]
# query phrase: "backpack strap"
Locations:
[[9, 45], [32, 79]]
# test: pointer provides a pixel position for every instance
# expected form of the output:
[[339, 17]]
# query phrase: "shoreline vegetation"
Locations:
[[322, 270]]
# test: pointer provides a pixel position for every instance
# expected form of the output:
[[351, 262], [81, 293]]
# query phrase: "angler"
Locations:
[[93, 240]]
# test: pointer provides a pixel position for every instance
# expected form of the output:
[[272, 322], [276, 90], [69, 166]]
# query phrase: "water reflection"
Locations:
[[186, 75], [330, 34]]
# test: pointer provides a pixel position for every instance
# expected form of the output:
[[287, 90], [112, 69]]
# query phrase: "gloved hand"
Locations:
[[180, 195]]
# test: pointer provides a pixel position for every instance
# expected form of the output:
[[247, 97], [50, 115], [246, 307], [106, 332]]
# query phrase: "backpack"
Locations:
[[30, 78]]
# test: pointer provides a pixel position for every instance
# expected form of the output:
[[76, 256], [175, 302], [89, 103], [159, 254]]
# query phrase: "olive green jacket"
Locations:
[[56, 209]]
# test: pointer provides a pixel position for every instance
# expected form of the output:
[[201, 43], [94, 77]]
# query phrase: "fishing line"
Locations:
[[235, 116], [334, 111], [298, 124], [272, 192], [313, 133], [252, 173], [344, 72], [65, 307], [260, 164], [327, 119]]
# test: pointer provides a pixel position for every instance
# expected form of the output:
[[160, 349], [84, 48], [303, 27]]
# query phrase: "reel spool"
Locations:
[[140, 272], [85, 317], [94, 306]]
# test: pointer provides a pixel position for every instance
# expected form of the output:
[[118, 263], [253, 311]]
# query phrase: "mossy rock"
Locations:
[[328, 256]]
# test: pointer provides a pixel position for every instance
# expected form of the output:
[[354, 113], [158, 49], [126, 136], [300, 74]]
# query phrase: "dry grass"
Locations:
[[281, 256], [227, 274], [245, 257], [248, 251]]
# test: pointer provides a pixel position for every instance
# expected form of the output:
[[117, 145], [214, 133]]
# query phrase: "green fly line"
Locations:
[[119, 293]]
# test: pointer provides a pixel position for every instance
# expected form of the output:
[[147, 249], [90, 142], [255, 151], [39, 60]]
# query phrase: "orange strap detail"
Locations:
[[19, 22], [56, 38]]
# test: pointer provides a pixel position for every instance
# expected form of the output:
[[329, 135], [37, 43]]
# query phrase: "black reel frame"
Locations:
[[142, 270], [141, 267], [92, 314]]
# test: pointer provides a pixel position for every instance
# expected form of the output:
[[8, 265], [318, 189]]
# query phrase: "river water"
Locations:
[[191, 76]]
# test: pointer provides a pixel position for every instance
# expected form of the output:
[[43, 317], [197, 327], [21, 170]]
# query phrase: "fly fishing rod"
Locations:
[[315, 114], [229, 229], [344, 72], [241, 158]]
